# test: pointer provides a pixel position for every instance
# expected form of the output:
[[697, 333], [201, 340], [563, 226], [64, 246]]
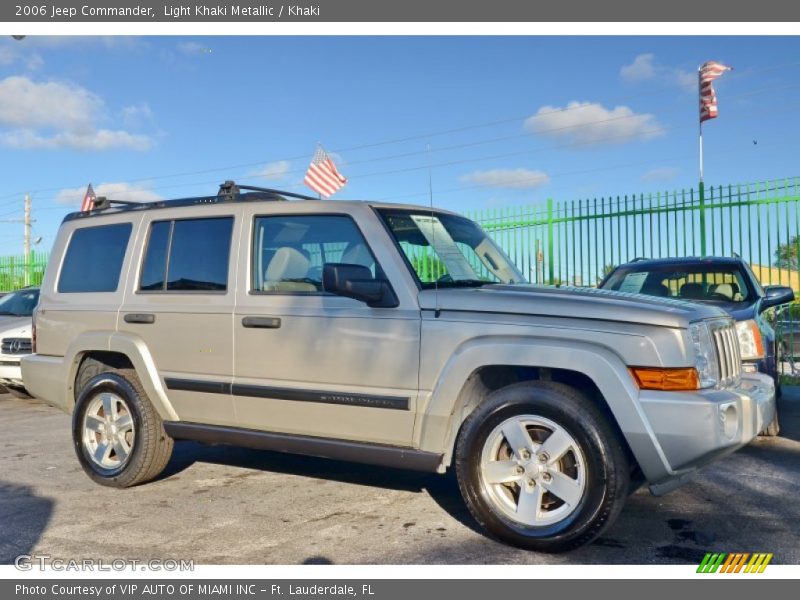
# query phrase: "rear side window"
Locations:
[[93, 260], [187, 255]]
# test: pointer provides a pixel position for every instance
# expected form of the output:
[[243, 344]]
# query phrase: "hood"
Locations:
[[15, 326], [575, 303]]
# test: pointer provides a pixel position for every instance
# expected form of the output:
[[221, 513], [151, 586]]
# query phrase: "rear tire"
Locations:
[[118, 436], [530, 489]]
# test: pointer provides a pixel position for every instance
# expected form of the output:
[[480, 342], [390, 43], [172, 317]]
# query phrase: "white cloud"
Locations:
[[50, 115], [661, 174], [193, 48], [136, 115], [115, 190], [12, 53], [508, 178], [641, 69], [274, 171], [645, 68], [99, 139], [592, 123]]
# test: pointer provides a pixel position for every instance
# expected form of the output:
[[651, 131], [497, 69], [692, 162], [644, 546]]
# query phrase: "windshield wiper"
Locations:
[[9, 314], [466, 283]]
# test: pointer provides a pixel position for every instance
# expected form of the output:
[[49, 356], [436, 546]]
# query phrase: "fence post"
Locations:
[[702, 207], [550, 265]]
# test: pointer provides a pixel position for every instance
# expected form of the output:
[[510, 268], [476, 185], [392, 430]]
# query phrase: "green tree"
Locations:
[[786, 255], [606, 272]]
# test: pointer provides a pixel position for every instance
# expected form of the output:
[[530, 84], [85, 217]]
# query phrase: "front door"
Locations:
[[311, 363]]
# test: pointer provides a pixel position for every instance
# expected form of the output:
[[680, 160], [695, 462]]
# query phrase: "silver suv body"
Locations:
[[384, 334]]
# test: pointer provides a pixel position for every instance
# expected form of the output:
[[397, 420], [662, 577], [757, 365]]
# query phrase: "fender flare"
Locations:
[[444, 412], [131, 346]]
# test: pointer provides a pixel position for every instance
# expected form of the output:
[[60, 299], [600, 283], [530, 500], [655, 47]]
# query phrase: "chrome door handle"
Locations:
[[261, 322], [145, 318]]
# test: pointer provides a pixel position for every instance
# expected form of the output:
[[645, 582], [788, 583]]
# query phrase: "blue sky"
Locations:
[[135, 115]]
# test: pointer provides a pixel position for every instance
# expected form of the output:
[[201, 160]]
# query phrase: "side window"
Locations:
[[289, 252], [93, 260], [187, 255]]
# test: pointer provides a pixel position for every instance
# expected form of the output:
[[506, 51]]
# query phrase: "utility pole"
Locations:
[[27, 239]]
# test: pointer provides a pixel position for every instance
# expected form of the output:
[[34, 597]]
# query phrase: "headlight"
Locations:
[[705, 355], [750, 343]]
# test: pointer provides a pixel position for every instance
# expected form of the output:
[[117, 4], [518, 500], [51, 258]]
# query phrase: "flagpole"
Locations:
[[701, 152], [700, 116]]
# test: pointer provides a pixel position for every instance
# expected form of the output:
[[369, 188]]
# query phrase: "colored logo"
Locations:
[[738, 562]]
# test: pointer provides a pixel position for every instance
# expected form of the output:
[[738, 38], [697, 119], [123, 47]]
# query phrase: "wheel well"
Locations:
[[487, 379], [112, 360]]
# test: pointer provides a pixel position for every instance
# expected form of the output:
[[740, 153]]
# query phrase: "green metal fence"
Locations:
[[18, 271], [577, 242]]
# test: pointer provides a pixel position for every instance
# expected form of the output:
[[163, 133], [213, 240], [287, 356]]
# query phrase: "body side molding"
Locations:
[[361, 452]]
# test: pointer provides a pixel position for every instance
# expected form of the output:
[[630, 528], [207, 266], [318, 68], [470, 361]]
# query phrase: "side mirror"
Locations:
[[775, 295], [357, 282]]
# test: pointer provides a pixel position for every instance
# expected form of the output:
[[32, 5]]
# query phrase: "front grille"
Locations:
[[729, 357], [16, 346]]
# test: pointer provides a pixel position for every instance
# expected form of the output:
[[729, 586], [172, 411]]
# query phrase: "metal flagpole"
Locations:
[[701, 152], [700, 116], [701, 188]]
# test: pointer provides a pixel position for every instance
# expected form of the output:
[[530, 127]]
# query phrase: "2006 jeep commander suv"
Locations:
[[394, 335]]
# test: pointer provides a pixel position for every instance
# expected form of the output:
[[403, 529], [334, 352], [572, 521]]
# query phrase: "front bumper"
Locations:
[[10, 372], [695, 428]]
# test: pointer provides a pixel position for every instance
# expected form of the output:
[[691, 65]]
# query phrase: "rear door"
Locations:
[[179, 302]]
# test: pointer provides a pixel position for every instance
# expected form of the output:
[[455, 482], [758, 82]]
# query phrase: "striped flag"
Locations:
[[710, 71], [322, 176], [88, 199]]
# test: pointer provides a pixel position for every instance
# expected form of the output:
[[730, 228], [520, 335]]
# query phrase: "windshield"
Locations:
[[722, 284], [19, 304], [448, 250]]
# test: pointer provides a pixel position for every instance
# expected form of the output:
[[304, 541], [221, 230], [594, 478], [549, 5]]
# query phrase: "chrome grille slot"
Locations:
[[726, 346], [16, 346]]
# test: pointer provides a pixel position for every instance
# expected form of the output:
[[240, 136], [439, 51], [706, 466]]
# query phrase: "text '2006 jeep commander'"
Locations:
[[399, 336]]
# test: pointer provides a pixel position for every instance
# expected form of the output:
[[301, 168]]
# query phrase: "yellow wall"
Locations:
[[774, 276]]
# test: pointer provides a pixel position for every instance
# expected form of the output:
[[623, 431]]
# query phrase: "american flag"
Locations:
[[710, 71], [322, 176], [88, 199]]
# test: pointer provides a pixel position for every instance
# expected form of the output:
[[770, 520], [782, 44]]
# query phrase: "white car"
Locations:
[[16, 309]]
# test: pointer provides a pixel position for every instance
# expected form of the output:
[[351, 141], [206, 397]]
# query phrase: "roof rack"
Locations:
[[103, 203], [230, 188], [229, 191], [639, 259]]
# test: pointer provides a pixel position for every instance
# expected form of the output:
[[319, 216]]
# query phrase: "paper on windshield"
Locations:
[[445, 247], [633, 282]]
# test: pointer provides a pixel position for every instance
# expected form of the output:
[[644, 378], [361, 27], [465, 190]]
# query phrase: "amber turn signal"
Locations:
[[670, 380]]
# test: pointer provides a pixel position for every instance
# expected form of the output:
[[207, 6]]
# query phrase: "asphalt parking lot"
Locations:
[[229, 505]]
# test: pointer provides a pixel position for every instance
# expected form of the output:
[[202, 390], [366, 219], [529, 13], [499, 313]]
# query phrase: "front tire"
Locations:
[[540, 467], [118, 436]]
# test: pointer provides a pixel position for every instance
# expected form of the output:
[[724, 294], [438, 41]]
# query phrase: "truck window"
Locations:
[[93, 260], [187, 255], [289, 252]]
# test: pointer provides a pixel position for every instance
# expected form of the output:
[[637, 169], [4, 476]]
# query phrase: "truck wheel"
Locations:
[[539, 467], [118, 435]]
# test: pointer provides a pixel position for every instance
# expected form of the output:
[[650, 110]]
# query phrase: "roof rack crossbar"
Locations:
[[102, 203], [231, 188]]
